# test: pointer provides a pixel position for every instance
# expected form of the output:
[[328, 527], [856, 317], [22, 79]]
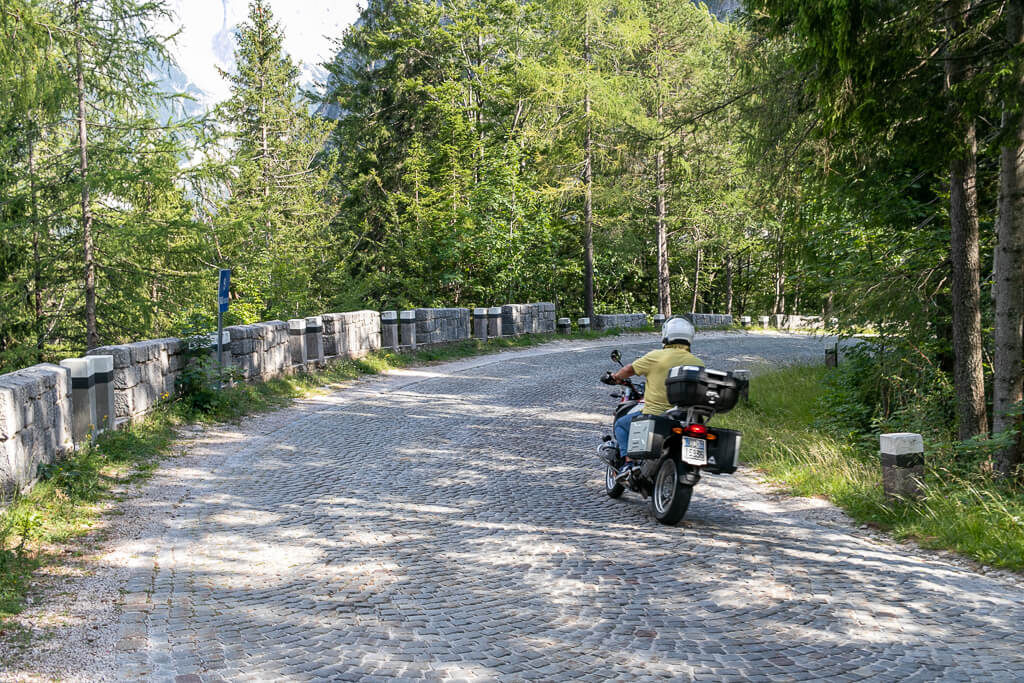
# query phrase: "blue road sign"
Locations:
[[224, 289]]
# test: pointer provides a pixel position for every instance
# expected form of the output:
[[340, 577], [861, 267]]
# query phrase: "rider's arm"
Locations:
[[624, 373]]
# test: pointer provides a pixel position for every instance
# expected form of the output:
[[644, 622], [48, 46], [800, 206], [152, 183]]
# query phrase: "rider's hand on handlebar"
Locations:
[[607, 378]]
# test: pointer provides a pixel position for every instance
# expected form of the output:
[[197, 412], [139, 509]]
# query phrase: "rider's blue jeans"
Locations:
[[622, 431]]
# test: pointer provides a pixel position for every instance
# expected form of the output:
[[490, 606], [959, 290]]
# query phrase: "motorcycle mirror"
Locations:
[[616, 356]]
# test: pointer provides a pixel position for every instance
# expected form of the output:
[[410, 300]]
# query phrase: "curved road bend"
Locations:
[[450, 523]]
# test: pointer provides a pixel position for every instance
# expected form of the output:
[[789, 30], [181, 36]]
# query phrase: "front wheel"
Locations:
[[671, 497], [612, 487]]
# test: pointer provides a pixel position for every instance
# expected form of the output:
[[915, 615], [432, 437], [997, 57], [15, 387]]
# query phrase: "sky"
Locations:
[[207, 27]]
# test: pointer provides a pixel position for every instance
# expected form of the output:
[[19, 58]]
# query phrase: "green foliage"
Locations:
[[786, 435], [885, 384], [270, 225], [144, 234]]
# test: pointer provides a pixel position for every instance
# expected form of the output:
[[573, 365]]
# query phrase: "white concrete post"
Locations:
[[659, 320], [315, 341], [744, 376], [494, 321], [297, 342], [902, 464], [389, 330], [564, 326], [83, 398], [832, 356], [408, 329], [104, 367], [584, 324], [480, 323], [764, 321], [745, 320]]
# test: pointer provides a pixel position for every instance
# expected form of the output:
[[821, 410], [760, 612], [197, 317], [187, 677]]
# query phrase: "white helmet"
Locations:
[[677, 331]]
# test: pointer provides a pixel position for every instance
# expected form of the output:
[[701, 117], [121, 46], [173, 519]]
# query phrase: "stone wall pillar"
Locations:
[[584, 324], [315, 341], [389, 330], [297, 342], [480, 323], [494, 321], [407, 324], [564, 326], [104, 365], [83, 398], [902, 464]]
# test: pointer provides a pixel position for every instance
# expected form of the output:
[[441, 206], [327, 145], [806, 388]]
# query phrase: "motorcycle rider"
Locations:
[[676, 339]]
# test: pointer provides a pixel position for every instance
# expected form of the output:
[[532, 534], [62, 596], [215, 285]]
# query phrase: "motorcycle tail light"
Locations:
[[697, 430]]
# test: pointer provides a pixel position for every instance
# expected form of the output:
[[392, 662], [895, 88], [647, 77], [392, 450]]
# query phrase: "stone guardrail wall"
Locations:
[[797, 322], [37, 410], [351, 335], [709, 321], [517, 319], [441, 325], [618, 321], [143, 372], [259, 351], [35, 423], [44, 408]]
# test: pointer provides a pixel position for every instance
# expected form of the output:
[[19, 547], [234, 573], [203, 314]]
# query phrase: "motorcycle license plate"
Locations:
[[695, 451]]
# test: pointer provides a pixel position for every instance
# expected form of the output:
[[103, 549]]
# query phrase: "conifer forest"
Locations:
[[858, 160]]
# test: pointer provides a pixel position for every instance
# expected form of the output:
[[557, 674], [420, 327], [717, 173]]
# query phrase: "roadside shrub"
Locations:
[[199, 383], [885, 385]]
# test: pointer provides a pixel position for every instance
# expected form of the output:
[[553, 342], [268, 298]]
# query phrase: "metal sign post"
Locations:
[[223, 289]]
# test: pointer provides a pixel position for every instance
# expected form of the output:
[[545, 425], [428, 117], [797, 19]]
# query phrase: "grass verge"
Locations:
[[40, 528], [972, 515]]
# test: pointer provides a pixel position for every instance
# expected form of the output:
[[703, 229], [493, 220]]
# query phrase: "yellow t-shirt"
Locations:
[[655, 366]]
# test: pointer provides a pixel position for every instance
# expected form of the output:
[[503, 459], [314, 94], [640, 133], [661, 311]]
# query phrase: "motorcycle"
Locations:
[[672, 450]]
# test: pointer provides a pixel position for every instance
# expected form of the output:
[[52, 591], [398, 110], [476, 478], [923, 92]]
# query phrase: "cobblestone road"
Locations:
[[450, 523]]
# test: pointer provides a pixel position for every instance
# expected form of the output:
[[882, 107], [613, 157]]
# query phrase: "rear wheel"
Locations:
[[671, 497], [612, 487]]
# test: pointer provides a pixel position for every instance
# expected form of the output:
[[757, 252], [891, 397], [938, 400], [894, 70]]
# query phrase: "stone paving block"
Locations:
[[322, 547]]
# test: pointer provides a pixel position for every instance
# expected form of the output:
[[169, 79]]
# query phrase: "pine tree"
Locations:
[[272, 226]]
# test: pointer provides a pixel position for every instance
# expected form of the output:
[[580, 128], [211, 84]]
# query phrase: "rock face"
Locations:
[[517, 319], [618, 321], [35, 423]]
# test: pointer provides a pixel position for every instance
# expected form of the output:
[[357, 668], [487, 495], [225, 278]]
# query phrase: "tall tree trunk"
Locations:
[[1008, 386], [664, 293], [588, 187], [479, 114], [779, 305], [745, 288], [664, 287], [37, 284], [728, 283], [968, 376], [696, 281], [92, 337]]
